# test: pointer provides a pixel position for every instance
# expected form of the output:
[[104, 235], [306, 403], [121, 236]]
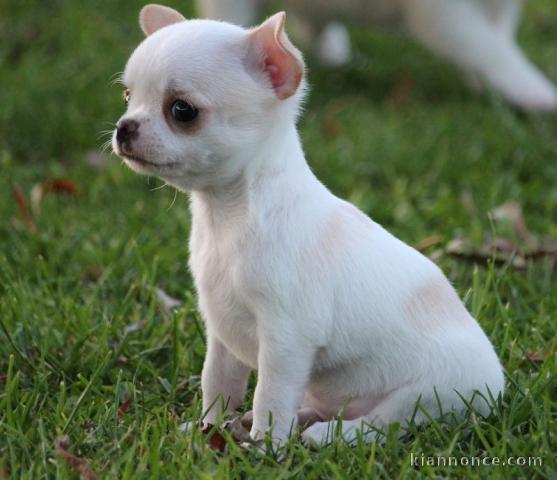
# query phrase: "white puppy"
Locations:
[[478, 36], [336, 314]]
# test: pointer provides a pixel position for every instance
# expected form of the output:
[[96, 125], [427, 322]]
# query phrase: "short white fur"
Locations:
[[336, 315]]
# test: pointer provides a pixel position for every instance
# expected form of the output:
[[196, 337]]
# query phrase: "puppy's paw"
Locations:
[[323, 433], [319, 434], [187, 427], [276, 450]]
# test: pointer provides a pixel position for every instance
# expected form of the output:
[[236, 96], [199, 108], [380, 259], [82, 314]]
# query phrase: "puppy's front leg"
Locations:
[[283, 372], [223, 381]]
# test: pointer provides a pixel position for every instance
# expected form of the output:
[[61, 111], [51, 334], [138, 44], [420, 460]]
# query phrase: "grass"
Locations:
[[82, 330]]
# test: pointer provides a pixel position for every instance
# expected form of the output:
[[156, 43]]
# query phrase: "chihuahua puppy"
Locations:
[[338, 317], [478, 36]]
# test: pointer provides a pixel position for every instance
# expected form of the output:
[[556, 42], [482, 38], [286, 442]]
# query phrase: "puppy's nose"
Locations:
[[126, 130]]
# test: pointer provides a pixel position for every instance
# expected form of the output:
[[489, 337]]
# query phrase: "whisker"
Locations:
[[104, 133], [159, 187], [105, 146], [173, 200], [116, 79]]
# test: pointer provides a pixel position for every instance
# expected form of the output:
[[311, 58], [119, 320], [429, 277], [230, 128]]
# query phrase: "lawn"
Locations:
[[96, 372]]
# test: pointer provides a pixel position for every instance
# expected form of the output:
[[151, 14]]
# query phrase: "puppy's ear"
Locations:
[[153, 17], [272, 53]]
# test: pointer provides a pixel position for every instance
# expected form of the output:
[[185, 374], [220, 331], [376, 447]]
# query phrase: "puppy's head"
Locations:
[[203, 95]]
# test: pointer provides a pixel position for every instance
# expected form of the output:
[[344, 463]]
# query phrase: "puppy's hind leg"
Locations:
[[462, 32], [399, 406]]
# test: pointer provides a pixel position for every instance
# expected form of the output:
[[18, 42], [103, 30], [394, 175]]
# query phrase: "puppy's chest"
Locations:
[[219, 269]]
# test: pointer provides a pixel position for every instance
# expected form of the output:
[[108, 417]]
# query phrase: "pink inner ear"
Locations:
[[277, 74], [277, 57], [280, 66]]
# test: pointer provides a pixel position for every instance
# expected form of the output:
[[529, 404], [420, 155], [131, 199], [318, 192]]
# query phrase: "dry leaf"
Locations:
[[77, 463], [546, 248], [238, 430], [3, 378], [502, 245], [401, 91], [22, 203], [483, 254], [536, 357], [428, 242], [60, 186], [539, 357], [167, 302], [216, 441], [57, 186], [512, 212], [124, 406], [91, 274], [121, 361]]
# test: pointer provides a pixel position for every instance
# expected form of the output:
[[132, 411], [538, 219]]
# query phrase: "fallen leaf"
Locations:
[[60, 186], [482, 255], [428, 242], [91, 275], [512, 212], [238, 430], [216, 441], [536, 357], [539, 357], [124, 406], [121, 361], [57, 186], [401, 91], [77, 463], [502, 245], [22, 203], [546, 248], [167, 302]]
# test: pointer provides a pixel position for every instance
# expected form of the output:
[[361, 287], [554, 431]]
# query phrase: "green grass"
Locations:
[[82, 329]]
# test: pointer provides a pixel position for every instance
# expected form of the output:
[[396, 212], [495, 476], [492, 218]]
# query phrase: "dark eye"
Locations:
[[126, 96], [183, 112]]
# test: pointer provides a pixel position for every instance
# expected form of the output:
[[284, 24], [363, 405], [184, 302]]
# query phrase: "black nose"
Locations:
[[126, 130]]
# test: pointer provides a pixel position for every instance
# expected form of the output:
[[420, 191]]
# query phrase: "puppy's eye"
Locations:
[[126, 96], [183, 112]]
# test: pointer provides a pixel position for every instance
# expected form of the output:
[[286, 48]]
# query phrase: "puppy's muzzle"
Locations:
[[126, 131]]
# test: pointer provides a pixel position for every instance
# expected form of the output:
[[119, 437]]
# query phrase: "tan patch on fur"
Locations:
[[318, 256], [335, 227], [332, 233], [435, 304]]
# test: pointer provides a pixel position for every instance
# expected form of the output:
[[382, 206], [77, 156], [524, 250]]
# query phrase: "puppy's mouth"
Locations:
[[135, 160]]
